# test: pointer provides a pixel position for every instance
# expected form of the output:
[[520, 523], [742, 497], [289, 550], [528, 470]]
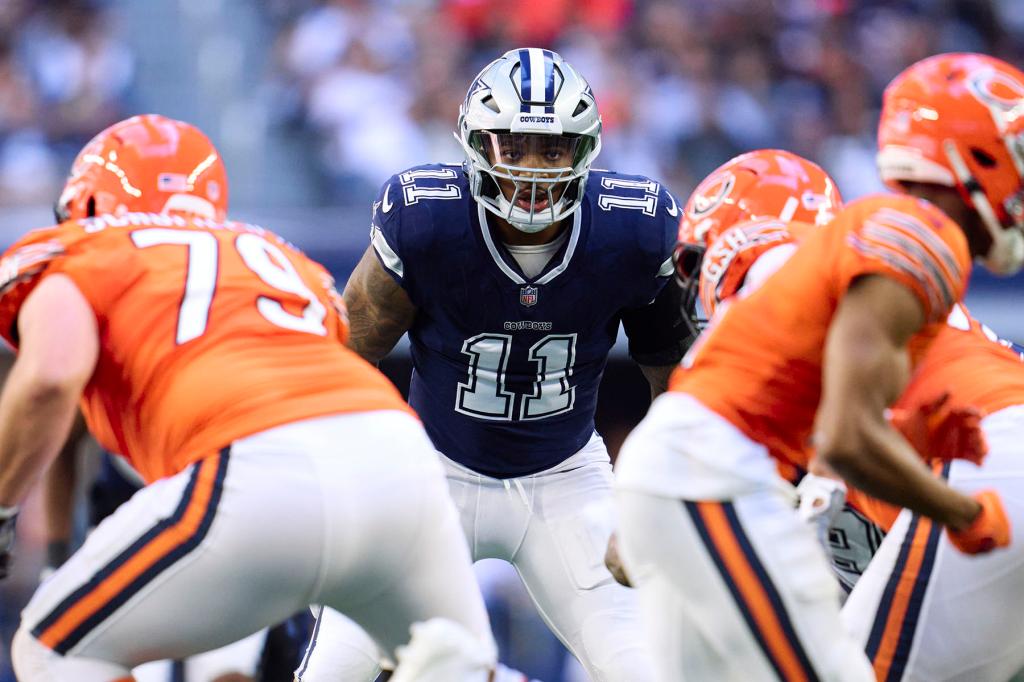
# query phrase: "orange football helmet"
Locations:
[[729, 258], [958, 120], [759, 185], [149, 164]]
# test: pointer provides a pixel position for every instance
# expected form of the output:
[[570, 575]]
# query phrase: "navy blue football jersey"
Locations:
[[506, 367]]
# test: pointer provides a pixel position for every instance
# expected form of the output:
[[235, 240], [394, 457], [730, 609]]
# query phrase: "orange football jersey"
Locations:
[[977, 369], [759, 364], [209, 332], [970, 362]]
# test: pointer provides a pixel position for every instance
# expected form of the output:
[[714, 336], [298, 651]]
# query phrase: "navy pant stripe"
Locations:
[[152, 572], [709, 544], [913, 615], [769, 587]]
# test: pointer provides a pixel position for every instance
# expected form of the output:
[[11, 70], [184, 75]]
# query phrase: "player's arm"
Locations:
[[658, 337], [379, 310], [59, 498], [866, 367], [59, 347], [657, 377]]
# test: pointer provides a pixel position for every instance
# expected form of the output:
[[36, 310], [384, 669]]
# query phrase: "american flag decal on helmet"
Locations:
[[537, 81], [172, 182], [528, 296]]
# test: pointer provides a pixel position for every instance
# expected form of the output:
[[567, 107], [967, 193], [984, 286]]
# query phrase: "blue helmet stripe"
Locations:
[[525, 83], [549, 82]]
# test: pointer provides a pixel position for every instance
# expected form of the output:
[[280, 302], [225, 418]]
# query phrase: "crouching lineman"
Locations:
[[833, 326], [918, 597], [979, 370], [919, 589], [210, 354]]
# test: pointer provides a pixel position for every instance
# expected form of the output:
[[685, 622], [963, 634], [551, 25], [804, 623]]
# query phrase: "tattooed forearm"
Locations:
[[379, 311]]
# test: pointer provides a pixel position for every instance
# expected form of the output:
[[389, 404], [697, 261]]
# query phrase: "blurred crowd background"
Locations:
[[314, 103], [365, 87]]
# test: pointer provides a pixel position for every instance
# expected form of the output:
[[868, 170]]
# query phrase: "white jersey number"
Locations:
[[412, 192], [264, 259], [648, 203], [484, 394], [958, 319], [271, 265]]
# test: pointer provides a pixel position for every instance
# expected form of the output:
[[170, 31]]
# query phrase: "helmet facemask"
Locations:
[[530, 129], [1003, 220], [531, 180], [688, 257]]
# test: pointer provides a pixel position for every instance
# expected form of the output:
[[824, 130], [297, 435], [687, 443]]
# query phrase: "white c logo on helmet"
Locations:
[[710, 194], [1001, 93]]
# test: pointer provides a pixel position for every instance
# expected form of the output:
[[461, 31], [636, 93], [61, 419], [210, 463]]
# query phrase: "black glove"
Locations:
[[8, 516]]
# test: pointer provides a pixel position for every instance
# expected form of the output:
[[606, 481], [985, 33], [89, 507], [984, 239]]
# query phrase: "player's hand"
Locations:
[[8, 517], [989, 530], [821, 500], [613, 562], [939, 431]]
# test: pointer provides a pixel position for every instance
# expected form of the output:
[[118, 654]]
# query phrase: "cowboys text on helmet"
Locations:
[[530, 129]]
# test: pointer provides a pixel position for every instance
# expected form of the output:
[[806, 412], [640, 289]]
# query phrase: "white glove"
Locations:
[[441, 650], [821, 500]]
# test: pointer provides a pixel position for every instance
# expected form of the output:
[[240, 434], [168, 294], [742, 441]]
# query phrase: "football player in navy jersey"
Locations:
[[511, 274]]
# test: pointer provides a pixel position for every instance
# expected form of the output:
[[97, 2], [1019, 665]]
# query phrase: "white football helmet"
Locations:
[[529, 124]]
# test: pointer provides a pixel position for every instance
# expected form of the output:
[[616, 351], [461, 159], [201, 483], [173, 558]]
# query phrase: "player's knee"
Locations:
[[29, 656], [614, 646], [33, 661], [441, 650]]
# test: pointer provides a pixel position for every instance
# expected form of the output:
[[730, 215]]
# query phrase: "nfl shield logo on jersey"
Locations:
[[528, 296]]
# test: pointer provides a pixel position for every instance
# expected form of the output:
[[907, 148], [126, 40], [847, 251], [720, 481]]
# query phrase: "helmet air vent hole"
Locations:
[[580, 108], [984, 159], [490, 104]]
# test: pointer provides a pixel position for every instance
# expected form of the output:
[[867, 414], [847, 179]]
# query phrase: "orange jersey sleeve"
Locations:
[[208, 332], [22, 267], [759, 364], [912, 242]]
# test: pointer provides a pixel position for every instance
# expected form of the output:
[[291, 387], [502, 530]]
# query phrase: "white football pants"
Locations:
[[349, 510], [925, 611], [735, 586], [553, 527]]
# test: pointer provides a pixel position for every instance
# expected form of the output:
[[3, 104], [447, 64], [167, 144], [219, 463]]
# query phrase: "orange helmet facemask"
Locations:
[[147, 164], [957, 120], [763, 184]]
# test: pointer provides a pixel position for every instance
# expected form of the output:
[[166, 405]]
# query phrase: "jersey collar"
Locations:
[[513, 273]]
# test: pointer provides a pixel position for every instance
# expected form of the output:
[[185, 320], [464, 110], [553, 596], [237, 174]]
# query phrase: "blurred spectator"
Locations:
[[63, 77], [682, 84]]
